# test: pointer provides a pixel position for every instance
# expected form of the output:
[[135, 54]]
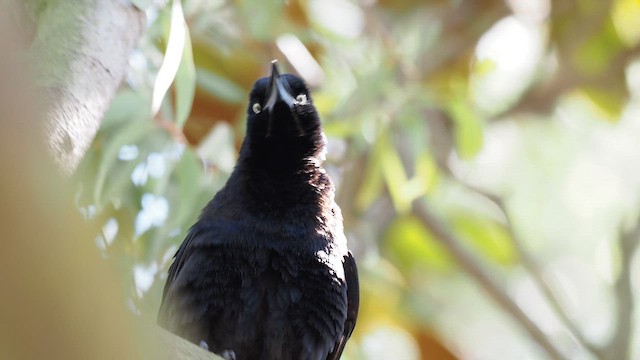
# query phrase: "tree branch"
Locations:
[[619, 346], [476, 270], [80, 53], [533, 268], [177, 348]]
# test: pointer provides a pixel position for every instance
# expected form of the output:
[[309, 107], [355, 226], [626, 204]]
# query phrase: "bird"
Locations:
[[265, 272]]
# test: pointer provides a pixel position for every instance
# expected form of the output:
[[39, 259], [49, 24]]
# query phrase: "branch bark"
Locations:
[[474, 268], [533, 268], [80, 54], [177, 348]]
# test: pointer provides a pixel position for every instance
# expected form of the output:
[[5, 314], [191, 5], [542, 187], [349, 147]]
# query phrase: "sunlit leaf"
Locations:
[[413, 247], [373, 182], [176, 41], [394, 175], [607, 104], [484, 67], [626, 17], [490, 238], [342, 128], [468, 134], [185, 83], [426, 175]]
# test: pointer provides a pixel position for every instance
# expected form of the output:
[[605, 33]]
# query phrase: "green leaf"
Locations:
[[222, 88], [373, 182], [607, 104], [185, 83], [188, 172], [131, 133], [594, 57], [394, 175], [263, 18], [626, 17], [487, 236], [126, 105], [176, 38], [412, 246], [468, 134]]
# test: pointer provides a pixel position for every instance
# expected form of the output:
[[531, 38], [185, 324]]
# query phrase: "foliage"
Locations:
[[516, 123]]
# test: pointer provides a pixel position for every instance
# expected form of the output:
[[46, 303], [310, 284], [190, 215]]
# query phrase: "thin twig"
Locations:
[[619, 345], [533, 268], [475, 269]]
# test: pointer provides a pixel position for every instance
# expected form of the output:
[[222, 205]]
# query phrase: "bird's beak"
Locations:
[[278, 90]]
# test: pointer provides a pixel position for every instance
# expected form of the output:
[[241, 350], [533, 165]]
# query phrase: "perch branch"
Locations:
[[475, 269]]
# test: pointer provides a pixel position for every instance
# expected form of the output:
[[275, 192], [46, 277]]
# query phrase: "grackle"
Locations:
[[265, 272]]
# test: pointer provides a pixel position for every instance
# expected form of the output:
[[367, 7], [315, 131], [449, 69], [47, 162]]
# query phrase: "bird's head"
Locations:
[[281, 116]]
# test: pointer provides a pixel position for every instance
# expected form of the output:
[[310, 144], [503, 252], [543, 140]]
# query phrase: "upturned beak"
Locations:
[[278, 90]]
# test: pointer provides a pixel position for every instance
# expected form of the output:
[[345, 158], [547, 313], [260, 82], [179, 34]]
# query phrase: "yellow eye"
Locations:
[[301, 99], [256, 108]]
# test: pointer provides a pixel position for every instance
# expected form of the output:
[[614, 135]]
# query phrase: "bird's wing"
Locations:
[[179, 259], [353, 303]]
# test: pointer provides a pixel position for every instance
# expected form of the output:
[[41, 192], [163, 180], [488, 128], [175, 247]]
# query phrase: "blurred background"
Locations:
[[485, 154]]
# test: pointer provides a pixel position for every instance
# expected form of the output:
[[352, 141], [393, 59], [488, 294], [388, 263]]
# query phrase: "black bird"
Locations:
[[265, 272]]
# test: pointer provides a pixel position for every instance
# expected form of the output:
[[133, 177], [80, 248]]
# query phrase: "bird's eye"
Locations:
[[256, 108], [301, 99]]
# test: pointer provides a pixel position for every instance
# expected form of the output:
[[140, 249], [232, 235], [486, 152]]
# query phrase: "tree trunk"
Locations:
[[80, 53]]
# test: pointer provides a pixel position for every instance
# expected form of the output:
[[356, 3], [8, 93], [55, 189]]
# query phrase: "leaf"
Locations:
[[486, 235], [373, 182], [626, 19], [394, 175], [413, 246], [177, 38], [468, 134], [222, 88], [607, 104], [185, 83], [263, 18], [126, 105], [595, 56], [128, 134], [218, 147], [188, 173]]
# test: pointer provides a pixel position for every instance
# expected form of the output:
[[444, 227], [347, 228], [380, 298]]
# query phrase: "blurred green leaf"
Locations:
[[468, 133], [341, 129], [626, 17], [176, 36], [130, 133], [125, 106], [188, 171], [596, 54], [413, 247], [489, 237], [185, 83], [220, 87], [606, 103], [263, 18], [484, 67], [373, 182], [394, 175]]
